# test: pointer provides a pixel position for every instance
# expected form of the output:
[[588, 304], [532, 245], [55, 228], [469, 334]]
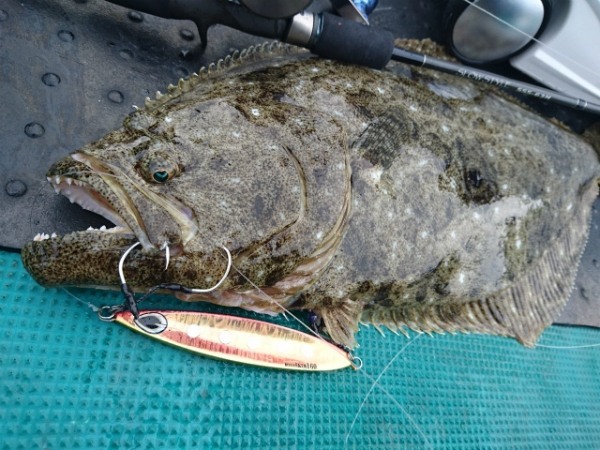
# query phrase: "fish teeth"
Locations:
[[69, 181], [43, 236], [57, 179], [103, 228]]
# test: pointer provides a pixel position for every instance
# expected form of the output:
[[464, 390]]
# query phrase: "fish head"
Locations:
[[142, 179]]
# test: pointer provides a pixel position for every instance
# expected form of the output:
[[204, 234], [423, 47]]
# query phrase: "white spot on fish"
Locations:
[[376, 174], [445, 128], [380, 90], [168, 119], [408, 211], [453, 234], [518, 244], [255, 112], [476, 216], [235, 180], [348, 85], [236, 134], [422, 162], [569, 206], [319, 235], [509, 136], [314, 69], [504, 187], [339, 166], [423, 234], [461, 278], [390, 214], [413, 108]]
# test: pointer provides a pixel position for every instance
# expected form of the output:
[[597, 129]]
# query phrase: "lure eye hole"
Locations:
[[161, 176]]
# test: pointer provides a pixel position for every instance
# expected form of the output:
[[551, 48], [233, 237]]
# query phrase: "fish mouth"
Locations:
[[92, 184], [83, 194]]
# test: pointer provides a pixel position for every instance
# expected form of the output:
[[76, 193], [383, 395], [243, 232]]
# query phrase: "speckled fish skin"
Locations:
[[406, 199]]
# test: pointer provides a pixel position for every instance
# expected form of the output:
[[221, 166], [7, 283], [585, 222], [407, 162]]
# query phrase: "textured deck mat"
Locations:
[[69, 381]]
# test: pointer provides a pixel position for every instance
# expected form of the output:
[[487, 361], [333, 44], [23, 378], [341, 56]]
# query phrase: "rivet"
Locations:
[[115, 96], [66, 36], [34, 130], [126, 54], [50, 79], [135, 16], [186, 34], [3, 15], [15, 188]]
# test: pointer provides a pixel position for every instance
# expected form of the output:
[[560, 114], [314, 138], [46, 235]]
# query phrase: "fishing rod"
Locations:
[[347, 39]]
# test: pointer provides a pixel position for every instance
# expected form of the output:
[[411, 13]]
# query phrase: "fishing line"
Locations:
[[271, 299], [93, 307], [376, 382], [567, 347], [402, 408]]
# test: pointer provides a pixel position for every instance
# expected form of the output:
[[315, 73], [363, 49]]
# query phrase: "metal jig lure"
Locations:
[[231, 338]]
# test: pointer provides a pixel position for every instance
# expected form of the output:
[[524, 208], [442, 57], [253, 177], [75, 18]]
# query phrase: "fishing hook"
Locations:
[[165, 247], [179, 287]]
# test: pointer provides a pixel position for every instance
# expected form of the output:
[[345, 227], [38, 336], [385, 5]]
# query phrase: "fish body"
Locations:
[[401, 198]]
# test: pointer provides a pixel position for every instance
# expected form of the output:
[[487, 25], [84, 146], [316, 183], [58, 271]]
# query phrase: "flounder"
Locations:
[[402, 198]]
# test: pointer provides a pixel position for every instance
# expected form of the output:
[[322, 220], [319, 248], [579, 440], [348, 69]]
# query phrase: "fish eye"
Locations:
[[157, 166], [161, 176]]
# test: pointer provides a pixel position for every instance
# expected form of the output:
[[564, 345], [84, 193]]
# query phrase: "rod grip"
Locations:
[[352, 42]]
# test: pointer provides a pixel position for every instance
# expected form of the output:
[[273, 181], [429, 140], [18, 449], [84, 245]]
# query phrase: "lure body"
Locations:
[[238, 339]]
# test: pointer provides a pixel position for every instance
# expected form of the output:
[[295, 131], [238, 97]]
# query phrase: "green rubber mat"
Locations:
[[69, 381]]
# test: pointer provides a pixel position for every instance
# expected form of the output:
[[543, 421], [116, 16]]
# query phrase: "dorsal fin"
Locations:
[[264, 51]]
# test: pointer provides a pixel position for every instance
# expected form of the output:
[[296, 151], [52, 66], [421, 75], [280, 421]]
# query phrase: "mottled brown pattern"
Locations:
[[464, 212]]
